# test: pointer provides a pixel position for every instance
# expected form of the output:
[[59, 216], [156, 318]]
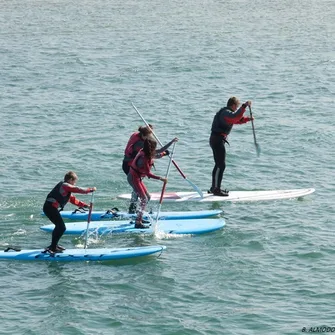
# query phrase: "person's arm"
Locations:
[[161, 154], [244, 119], [235, 118], [74, 201], [145, 166], [162, 149], [75, 189]]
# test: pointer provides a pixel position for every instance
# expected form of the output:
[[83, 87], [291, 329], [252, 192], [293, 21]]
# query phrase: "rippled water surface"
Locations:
[[68, 75]]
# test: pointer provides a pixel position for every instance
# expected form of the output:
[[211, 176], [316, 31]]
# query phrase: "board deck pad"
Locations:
[[119, 215], [199, 226], [68, 255], [235, 196]]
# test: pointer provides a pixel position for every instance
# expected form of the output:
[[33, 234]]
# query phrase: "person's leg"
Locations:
[[141, 191], [125, 167], [54, 216], [144, 198], [219, 153], [134, 197], [133, 203]]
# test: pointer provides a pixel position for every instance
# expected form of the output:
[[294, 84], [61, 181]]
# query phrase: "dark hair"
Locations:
[[232, 101], [145, 131], [149, 148]]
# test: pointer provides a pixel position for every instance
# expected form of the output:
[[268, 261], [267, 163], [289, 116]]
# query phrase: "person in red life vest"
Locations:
[[56, 200], [222, 125], [134, 145], [140, 168]]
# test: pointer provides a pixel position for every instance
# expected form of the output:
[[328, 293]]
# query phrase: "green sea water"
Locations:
[[69, 72]]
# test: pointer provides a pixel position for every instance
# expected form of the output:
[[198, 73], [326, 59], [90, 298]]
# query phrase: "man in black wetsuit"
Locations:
[[222, 125]]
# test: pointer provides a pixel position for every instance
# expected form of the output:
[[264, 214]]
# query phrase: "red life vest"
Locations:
[[130, 151], [142, 165]]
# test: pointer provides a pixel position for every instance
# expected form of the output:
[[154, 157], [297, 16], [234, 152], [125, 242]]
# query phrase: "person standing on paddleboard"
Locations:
[[222, 125], [140, 168], [134, 145], [56, 200]]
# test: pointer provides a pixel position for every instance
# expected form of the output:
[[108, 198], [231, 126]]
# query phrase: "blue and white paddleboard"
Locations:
[[80, 214], [199, 226], [233, 195], [70, 255]]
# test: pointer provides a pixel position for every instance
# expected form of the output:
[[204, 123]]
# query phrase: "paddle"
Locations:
[[195, 187], [89, 219], [258, 149], [164, 185]]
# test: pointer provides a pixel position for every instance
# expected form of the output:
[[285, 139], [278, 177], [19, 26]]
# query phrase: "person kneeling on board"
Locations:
[[134, 145], [56, 200], [140, 168], [222, 125]]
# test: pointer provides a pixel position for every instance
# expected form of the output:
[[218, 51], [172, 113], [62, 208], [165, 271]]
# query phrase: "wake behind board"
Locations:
[[233, 196], [70, 255], [79, 214], [199, 226]]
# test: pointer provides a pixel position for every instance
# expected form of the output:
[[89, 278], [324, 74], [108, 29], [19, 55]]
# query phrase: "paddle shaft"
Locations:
[[164, 185], [89, 219], [196, 188], [254, 133]]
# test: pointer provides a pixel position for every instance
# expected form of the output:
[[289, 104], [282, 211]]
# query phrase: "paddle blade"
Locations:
[[258, 150]]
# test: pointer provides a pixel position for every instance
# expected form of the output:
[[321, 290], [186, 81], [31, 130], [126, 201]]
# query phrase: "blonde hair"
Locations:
[[70, 175], [232, 101]]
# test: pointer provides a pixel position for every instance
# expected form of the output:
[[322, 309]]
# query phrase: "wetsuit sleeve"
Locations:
[[77, 202], [76, 189], [159, 154], [235, 118], [153, 176], [162, 149], [244, 120]]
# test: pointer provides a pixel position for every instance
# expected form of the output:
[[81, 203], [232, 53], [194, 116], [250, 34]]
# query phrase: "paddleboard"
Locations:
[[233, 196], [80, 214], [199, 226], [69, 255]]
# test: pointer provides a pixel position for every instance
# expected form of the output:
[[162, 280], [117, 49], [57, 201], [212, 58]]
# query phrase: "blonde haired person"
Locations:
[[56, 200]]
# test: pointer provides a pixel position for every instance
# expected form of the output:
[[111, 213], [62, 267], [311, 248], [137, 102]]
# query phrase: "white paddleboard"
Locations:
[[233, 195]]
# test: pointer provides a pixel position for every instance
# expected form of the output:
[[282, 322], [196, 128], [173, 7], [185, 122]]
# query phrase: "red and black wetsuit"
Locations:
[[134, 145], [140, 168], [57, 199], [222, 125]]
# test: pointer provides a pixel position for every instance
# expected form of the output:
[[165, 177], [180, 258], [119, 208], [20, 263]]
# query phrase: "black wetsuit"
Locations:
[[222, 125]]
